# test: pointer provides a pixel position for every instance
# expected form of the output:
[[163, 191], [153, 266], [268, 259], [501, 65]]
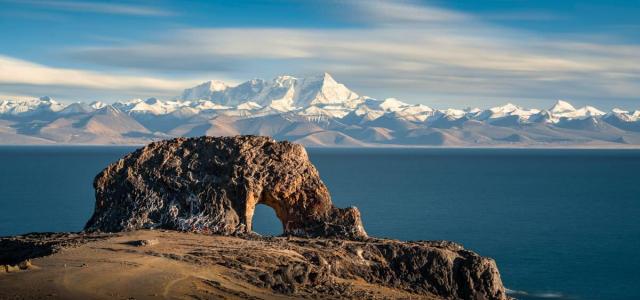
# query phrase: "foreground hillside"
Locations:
[[314, 111], [165, 264]]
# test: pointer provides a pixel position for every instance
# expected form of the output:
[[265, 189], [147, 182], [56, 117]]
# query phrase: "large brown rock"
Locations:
[[213, 184]]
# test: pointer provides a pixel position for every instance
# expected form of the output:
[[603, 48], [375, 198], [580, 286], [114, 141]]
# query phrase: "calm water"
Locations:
[[560, 223]]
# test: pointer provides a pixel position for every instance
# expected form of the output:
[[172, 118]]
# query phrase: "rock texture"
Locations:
[[212, 185]]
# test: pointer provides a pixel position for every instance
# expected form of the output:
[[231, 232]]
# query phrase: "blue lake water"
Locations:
[[561, 224]]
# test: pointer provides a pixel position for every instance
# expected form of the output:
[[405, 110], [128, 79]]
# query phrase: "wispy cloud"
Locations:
[[522, 16], [390, 12], [97, 7], [16, 74], [404, 47]]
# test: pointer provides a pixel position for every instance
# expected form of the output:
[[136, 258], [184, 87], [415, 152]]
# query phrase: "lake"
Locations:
[[561, 224]]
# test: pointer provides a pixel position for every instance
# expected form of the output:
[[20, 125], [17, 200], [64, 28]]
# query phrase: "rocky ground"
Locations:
[[167, 264]]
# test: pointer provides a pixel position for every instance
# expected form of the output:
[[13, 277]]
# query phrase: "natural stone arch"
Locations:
[[265, 221], [212, 185]]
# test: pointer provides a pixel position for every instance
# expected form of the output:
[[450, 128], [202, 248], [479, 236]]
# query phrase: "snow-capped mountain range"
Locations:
[[313, 110]]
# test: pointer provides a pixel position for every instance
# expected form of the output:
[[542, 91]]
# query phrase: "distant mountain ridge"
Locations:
[[315, 111]]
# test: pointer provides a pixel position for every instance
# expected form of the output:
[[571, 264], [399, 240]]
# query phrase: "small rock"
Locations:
[[23, 265], [143, 243]]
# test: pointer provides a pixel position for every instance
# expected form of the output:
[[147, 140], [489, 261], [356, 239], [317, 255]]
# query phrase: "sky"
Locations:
[[440, 53]]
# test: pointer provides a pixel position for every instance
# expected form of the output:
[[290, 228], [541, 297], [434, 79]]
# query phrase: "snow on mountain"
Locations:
[[30, 107], [361, 115], [76, 108], [517, 113], [562, 107], [415, 113], [283, 93], [205, 105], [505, 110], [312, 109], [249, 106], [97, 105], [588, 111], [450, 114], [332, 111], [322, 89], [392, 104], [152, 106], [204, 90], [624, 115], [373, 109]]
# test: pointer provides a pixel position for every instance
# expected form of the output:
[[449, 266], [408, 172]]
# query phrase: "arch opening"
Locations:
[[265, 221]]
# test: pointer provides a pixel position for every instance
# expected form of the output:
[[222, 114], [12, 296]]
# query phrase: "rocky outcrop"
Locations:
[[213, 184], [274, 266]]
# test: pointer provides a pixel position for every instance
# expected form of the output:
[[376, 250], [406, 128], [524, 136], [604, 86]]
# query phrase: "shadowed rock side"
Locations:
[[212, 185]]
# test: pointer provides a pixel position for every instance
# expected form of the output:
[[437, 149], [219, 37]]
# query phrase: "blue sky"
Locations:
[[440, 53]]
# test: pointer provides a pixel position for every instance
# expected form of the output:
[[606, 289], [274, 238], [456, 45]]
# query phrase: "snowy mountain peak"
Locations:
[[204, 90], [590, 111], [509, 107], [97, 105], [619, 111], [108, 110], [283, 93], [562, 107], [215, 85], [322, 89], [249, 106], [76, 108], [392, 104]]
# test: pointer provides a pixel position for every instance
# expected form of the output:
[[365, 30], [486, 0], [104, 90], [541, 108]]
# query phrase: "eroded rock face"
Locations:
[[212, 185]]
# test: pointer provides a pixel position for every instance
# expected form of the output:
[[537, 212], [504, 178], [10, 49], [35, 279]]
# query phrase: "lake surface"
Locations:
[[561, 224]]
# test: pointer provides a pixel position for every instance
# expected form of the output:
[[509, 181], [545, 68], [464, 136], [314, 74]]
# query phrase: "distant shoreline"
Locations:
[[484, 147]]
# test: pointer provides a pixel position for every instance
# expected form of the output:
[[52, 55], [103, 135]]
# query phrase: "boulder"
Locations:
[[213, 184]]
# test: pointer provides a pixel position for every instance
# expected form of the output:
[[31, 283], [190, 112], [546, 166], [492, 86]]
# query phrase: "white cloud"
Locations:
[[385, 12], [96, 7], [23, 78]]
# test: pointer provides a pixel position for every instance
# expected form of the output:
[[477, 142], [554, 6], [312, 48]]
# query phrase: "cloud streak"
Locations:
[[16, 74], [96, 7]]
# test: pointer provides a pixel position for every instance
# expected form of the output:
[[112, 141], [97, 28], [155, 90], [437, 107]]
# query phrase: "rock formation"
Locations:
[[213, 184]]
